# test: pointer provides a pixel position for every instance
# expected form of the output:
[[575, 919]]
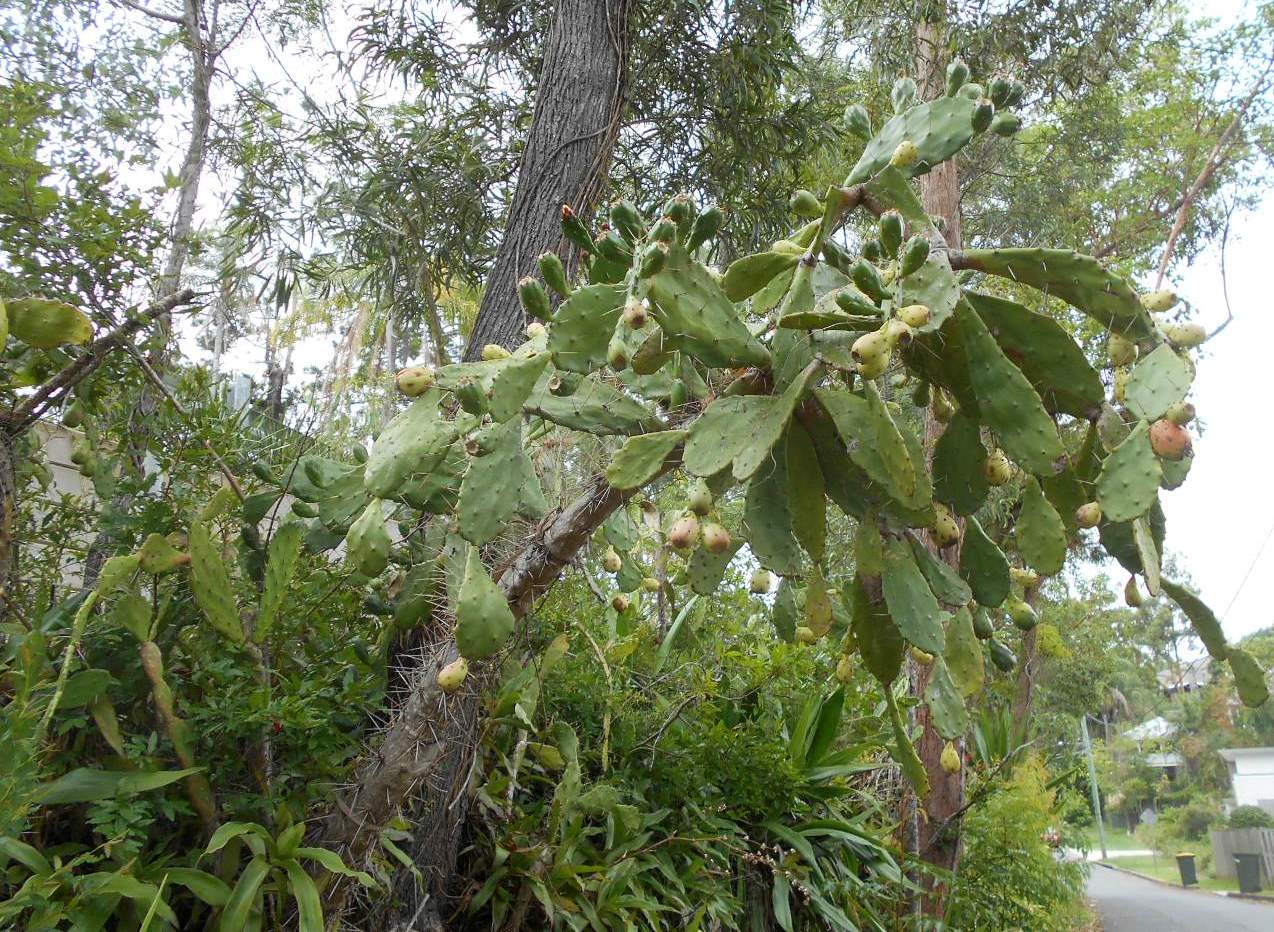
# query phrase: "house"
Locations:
[[1251, 776], [1188, 677], [1155, 732]]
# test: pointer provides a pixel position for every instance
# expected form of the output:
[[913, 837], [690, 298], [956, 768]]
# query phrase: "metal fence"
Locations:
[[1226, 844]]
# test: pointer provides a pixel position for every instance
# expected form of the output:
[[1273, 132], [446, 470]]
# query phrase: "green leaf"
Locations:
[[308, 908], [331, 861], [24, 854], [83, 687], [234, 918], [231, 830], [210, 584], [285, 549], [84, 785], [209, 888]]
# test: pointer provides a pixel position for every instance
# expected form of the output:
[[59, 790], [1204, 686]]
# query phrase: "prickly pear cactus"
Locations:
[[801, 398]]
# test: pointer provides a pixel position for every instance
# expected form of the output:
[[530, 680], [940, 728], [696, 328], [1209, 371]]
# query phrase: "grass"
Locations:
[[1117, 839], [1165, 868]]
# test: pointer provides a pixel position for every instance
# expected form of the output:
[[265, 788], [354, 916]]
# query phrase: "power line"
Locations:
[[1251, 566]]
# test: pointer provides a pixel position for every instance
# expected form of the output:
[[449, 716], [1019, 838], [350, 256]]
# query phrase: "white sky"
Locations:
[[1221, 522]]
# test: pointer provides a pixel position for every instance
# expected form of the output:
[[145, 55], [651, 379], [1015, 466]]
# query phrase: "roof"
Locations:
[[1231, 753], [1157, 727], [1171, 759]]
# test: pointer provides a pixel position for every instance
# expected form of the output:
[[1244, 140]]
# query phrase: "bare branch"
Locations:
[[153, 14]]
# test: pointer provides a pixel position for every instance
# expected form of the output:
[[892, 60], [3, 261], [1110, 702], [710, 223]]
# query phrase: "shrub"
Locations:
[[1250, 817]]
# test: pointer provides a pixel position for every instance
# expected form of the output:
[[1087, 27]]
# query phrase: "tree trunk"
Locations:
[[578, 108], [938, 842]]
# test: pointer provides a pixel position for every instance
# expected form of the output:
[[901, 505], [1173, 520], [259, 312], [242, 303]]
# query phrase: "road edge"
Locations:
[[1227, 894]]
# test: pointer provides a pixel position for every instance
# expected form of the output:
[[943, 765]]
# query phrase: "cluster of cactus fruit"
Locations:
[[776, 387]]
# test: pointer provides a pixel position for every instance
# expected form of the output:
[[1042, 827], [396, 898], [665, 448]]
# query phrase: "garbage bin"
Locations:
[[1248, 867], [1185, 865]]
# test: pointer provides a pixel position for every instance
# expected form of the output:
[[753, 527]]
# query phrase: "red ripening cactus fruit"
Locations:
[[1169, 441]]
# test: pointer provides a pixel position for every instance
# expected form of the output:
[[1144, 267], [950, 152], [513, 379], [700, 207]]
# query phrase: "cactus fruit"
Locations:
[[635, 314], [914, 254], [950, 759], [650, 584], [554, 273], [611, 561], [1026, 578], [493, 351], [452, 676], [1121, 350], [1120, 384], [414, 381], [857, 121], [664, 231], [871, 353], [1132, 594], [716, 539], [1088, 515], [760, 582], [805, 204], [619, 603], [617, 354], [914, 315], [905, 154], [653, 259], [983, 114], [997, 469], [1185, 336], [1016, 92], [922, 657], [845, 669], [1181, 413], [943, 409], [534, 299], [890, 232], [1020, 613], [1169, 440], [983, 627], [944, 527], [536, 330], [1006, 124], [574, 230], [957, 76], [867, 279], [1156, 302], [73, 416], [897, 332], [700, 501], [684, 533], [806, 635], [999, 90], [706, 226], [1001, 656]]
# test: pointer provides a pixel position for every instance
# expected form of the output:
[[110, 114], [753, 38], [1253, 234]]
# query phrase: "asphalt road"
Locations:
[[1130, 904]]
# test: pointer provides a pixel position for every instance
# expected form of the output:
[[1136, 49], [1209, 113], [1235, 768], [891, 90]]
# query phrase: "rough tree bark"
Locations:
[[578, 109], [937, 840]]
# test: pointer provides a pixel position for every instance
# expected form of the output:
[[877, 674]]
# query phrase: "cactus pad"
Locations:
[[1079, 280], [958, 459], [946, 704], [582, 327], [1157, 382], [1129, 482], [944, 581], [484, 620], [746, 276], [983, 565], [697, 317], [1008, 403], [964, 653], [210, 584], [641, 457], [367, 542], [1249, 678], [413, 442], [879, 641], [939, 129], [596, 407], [934, 285], [1206, 625], [805, 492], [1039, 531], [1047, 355], [912, 604]]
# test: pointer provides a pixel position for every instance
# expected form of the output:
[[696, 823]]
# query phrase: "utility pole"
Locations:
[[1092, 783]]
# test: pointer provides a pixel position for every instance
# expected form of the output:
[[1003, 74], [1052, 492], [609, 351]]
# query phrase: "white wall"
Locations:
[[1253, 778]]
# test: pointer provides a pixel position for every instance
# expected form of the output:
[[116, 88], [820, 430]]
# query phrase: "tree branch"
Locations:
[[50, 392], [153, 14]]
